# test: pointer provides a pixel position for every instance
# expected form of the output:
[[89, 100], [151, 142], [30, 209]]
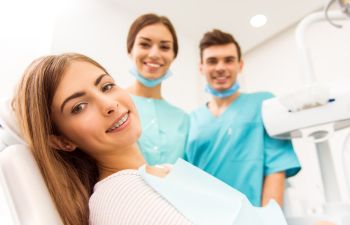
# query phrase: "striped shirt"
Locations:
[[124, 198]]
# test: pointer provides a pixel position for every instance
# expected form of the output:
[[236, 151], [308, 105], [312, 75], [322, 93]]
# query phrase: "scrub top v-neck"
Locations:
[[164, 130]]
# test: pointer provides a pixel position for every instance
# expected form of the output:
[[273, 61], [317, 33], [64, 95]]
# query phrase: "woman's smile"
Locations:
[[120, 123]]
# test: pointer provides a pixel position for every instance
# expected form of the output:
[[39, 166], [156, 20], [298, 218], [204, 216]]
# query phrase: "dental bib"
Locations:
[[222, 94], [149, 82], [205, 200]]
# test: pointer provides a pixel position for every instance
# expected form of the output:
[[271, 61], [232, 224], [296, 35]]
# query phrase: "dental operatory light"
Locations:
[[314, 112], [258, 20]]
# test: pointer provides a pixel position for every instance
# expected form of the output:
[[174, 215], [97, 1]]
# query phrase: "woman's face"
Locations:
[[92, 112], [153, 51]]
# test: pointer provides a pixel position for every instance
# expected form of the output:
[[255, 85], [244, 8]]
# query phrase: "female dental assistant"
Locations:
[[152, 47]]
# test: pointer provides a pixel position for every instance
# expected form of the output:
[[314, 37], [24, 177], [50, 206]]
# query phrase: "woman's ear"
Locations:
[[61, 143]]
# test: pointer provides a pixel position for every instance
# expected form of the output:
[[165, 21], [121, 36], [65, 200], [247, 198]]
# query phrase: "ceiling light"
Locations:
[[258, 20]]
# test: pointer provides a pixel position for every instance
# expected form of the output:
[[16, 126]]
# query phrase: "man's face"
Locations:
[[220, 65]]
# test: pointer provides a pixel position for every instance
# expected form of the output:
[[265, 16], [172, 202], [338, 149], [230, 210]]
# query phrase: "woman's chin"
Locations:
[[138, 133]]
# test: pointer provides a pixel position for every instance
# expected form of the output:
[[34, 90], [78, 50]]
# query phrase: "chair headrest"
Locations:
[[25, 193], [9, 131]]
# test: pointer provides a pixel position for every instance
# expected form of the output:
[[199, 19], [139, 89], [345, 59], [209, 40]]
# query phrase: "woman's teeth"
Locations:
[[153, 65], [119, 123], [221, 78]]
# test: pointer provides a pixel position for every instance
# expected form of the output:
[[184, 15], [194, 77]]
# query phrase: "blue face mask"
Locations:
[[149, 82], [222, 94]]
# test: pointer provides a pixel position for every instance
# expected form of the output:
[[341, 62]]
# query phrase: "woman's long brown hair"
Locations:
[[69, 176]]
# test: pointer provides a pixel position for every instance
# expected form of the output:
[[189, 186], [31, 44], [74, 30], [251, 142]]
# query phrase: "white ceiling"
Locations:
[[194, 17]]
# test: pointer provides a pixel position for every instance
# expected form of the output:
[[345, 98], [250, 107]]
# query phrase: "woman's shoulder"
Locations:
[[119, 190], [172, 109], [161, 104], [125, 198], [123, 177]]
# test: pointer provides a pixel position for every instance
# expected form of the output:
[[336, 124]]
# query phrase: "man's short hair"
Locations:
[[217, 37]]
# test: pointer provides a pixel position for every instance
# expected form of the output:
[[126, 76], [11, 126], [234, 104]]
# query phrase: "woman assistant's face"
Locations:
[[153, 51], [91, 111]]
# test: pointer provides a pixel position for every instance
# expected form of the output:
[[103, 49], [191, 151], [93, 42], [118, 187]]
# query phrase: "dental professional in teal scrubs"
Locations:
[[227, 137], [152, 46]]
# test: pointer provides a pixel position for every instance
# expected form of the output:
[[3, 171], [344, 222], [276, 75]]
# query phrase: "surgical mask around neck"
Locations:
[[222, 94], [149, 82]]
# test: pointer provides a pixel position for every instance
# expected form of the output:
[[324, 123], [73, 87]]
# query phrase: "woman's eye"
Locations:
[[107, 87], [144, 45], [165, 47], [78, 108]]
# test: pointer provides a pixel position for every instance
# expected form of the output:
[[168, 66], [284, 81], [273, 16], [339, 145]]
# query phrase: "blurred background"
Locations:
[[32, 28]]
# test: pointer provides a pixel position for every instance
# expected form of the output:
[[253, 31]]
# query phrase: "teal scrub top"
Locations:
[[235, 147], [164, 130]]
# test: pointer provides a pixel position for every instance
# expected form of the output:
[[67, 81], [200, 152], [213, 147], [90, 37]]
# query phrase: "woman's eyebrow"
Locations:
[[73, 96], [98, 80], [150, 40]]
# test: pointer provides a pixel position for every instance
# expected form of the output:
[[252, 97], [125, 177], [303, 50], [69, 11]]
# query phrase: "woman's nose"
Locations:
[[109, 106], [154, 52], [111, 110]]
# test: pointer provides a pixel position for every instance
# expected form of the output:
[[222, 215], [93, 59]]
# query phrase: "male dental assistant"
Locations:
[[227, 137]]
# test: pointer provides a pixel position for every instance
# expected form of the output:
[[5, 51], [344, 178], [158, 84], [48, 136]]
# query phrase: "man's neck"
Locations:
[[218, 105], [139, 89]]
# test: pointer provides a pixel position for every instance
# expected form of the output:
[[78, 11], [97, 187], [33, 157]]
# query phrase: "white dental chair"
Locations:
[[24, 197]]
